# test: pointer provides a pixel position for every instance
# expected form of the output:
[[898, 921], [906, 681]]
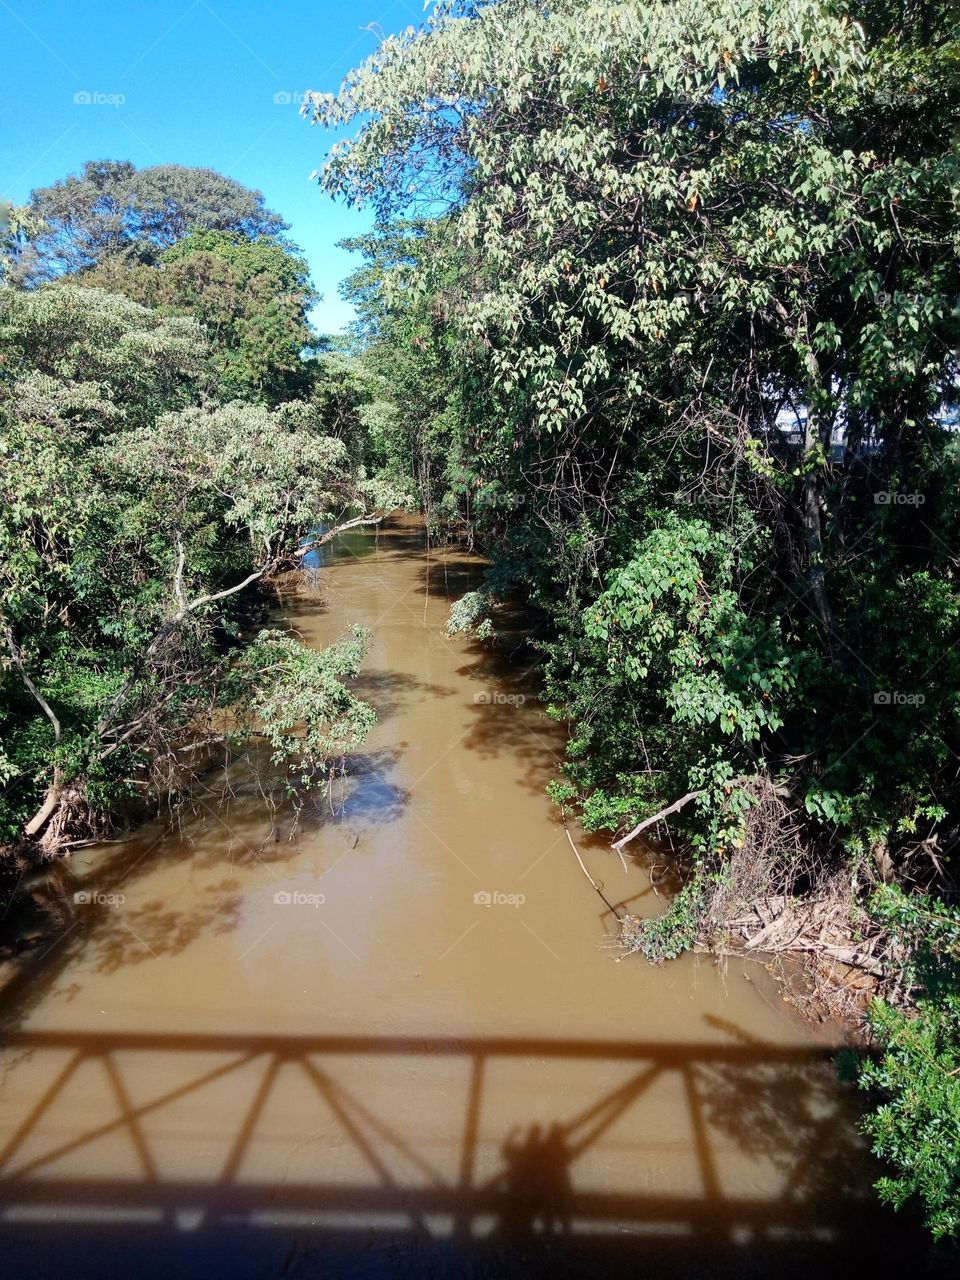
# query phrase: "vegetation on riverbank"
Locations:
[[668, 295], [171, 439], [662, 312]]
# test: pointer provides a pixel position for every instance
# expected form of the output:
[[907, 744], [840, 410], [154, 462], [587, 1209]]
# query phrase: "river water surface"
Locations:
[[399, 1044]]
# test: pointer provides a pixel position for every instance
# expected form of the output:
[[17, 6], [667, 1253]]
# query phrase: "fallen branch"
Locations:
[[849, 956], [657, 817], [49, 807], [324, 538], [52, 798], [186, 607]]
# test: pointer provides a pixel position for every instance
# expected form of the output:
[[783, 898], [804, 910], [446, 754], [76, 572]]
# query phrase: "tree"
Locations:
[[250, 296], [413, 281], [693, 304], [129, 361], [134, 524], [17, 226], [113, 209], [689, 220], [917, 1124]]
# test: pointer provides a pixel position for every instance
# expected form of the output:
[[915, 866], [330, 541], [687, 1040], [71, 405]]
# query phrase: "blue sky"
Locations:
[[190, 82]]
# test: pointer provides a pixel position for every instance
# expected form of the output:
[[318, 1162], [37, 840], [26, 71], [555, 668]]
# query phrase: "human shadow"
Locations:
[[536, 1182]]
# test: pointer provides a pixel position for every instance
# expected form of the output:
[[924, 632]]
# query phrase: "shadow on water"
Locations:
[[68, 908], [389, 691], [447, 577], [508, 717], [94, 930], [355, 543], [535, 1214], [496, 1198], [796, 1119]]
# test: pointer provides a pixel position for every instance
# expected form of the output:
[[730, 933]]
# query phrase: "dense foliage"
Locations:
[[675, 290], [917, 1127], [167, 445], [250, 296]]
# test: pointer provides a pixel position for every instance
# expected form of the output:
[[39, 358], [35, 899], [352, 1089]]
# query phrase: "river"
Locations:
[[399, 1043]]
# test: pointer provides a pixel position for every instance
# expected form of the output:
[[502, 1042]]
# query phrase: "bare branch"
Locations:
[[25, 677], [657, 817]]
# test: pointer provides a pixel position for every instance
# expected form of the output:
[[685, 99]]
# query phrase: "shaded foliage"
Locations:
[[164, 453]]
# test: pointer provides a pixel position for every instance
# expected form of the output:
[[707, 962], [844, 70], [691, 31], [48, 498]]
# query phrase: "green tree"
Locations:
[[17, 227], [250, 296], [114, 209], [917, 1126], [690, 308], [134, 524]]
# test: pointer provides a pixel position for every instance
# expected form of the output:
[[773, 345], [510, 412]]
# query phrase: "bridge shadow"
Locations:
[[537, 1196]]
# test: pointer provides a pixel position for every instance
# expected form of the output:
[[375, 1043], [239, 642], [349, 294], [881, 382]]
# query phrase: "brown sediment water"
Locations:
[[399, 1044]]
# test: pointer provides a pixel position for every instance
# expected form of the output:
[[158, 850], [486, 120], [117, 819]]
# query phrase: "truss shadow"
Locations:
[[490, 1204]]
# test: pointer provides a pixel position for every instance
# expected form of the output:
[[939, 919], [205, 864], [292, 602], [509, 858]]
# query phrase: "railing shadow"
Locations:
[[529, 1210]]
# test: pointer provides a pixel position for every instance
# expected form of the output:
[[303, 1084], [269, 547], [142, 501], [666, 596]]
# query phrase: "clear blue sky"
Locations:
[[198, 81]]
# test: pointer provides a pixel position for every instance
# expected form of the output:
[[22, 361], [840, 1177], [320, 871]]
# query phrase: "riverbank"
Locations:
[[398, 1044]]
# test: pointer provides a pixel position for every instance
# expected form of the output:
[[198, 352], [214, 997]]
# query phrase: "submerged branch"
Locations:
[[598, 888]]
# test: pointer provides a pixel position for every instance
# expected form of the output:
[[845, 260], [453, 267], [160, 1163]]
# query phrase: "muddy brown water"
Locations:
[[400, 1044]]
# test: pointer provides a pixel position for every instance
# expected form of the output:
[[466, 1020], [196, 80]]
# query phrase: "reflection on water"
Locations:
[[357, 543], [396, 1044], [365, 794]]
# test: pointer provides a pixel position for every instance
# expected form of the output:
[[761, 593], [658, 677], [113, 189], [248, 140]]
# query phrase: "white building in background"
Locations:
[[792, 423]]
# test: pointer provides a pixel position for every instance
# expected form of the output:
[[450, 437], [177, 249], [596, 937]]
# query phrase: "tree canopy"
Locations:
[[679, 283], [113, 209], [251, 298], [165, 451]]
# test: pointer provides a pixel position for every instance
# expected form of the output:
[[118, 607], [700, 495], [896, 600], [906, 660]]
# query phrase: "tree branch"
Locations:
[[657, 817], [24, 676], [52, 798], [340, 528]]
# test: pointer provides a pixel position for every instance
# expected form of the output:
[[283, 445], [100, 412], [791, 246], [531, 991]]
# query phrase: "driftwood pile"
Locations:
[[791, 904]]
